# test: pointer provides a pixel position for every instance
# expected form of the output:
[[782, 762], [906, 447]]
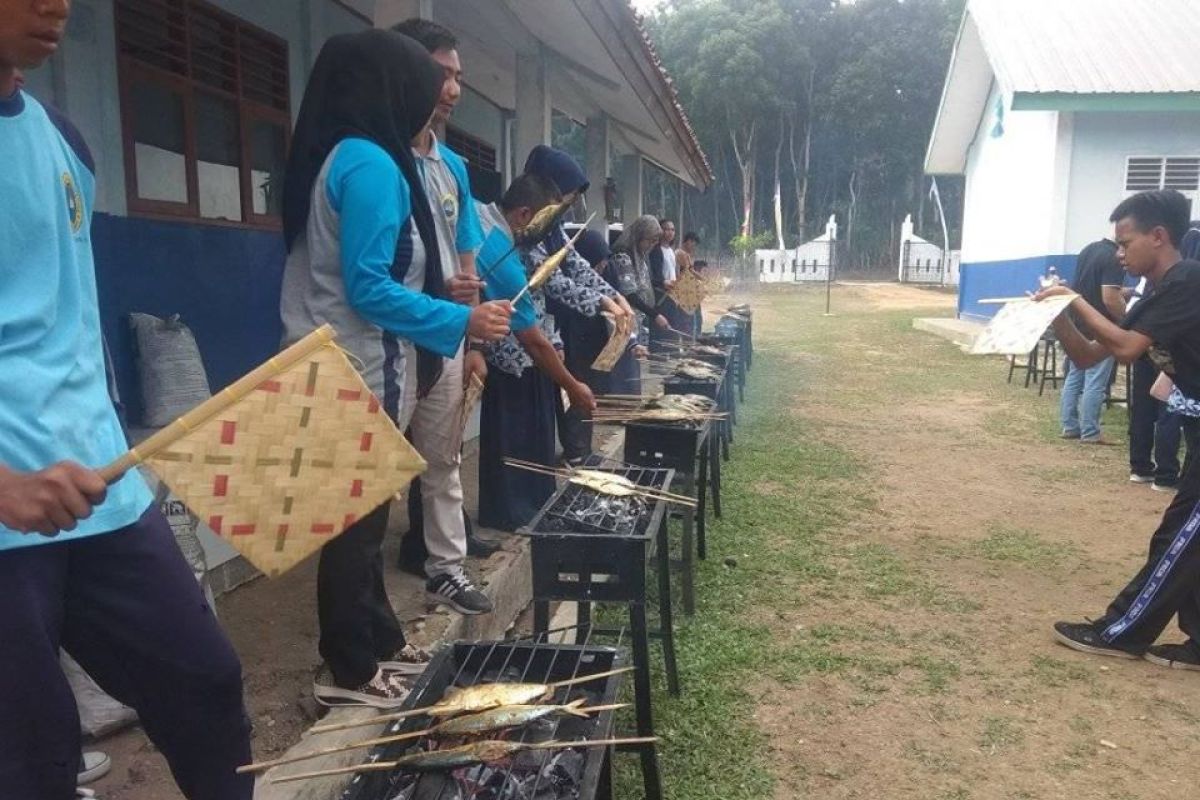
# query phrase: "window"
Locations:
[[204, 110], [1149, 173], [473, 150]]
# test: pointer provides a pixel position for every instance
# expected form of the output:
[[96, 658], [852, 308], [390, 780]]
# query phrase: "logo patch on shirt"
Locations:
[[450, 206], [74, 203]]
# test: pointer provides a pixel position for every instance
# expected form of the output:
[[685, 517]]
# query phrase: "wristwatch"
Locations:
[[476, 345]]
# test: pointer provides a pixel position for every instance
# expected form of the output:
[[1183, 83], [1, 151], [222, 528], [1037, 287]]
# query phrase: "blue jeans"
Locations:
[[1083, 398]]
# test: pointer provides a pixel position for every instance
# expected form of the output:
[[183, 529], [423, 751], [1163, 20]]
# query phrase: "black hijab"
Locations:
[[380, 86]]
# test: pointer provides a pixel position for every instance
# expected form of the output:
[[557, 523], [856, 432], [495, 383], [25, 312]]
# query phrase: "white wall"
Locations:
[[1103, 140], [1011, 186]]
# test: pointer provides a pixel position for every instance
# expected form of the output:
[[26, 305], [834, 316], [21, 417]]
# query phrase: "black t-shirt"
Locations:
[[1096, 268], [1171, 317]]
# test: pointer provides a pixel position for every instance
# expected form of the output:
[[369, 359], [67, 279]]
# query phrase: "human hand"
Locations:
[[581, 397], [624, 304], [51, 500], [474, 365], [1051, 291], [562, 355], [489, 321], [661, 323], [641, 351], [464, 288]]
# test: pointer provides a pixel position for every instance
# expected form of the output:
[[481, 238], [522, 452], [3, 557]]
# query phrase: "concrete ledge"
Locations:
[[960, 331]]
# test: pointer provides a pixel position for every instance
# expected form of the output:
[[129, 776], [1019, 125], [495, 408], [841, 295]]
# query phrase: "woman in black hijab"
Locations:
[[352, 196]]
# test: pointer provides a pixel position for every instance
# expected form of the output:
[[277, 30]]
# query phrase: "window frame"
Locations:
[[131, 70], [1164, 163]]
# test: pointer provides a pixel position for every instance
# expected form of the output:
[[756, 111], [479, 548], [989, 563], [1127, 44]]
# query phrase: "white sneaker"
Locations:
[[1136, 478], [93, 766], [386, 690]]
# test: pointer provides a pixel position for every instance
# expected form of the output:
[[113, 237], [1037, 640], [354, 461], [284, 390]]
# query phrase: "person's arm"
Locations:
[[371, 197], [1114, 302], [577, 269], [468, 232], [1111, 339], [545, 356], [579, 299]]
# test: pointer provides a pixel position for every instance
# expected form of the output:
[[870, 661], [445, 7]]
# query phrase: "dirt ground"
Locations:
[[981, 530], [919, 663]]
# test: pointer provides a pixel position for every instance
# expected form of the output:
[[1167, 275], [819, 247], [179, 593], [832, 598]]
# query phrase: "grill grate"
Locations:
[[576, 509], [531, 775]]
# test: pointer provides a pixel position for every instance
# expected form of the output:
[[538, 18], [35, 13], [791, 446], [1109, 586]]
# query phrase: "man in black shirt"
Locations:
[[1165, 326], [1098, 279]]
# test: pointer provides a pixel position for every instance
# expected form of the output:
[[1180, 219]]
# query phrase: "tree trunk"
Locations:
[[746, 165], [777, 197], [800, 173], [852, 208]]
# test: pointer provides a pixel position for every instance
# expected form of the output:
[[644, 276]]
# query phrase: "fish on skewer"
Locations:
[[601, 482], [481, 697], [450, 758], [495, 719], [551, 264]]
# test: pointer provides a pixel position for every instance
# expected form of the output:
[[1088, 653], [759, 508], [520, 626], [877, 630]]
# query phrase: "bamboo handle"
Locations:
[[587, 678], [217, 404], [359, 723], [327, 751], [378, 766]]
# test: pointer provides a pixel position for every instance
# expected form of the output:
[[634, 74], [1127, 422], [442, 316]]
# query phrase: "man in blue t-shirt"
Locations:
[[88, 568]]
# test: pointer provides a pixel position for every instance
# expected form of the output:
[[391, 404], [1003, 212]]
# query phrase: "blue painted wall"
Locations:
[[987, 279], [223, 282]]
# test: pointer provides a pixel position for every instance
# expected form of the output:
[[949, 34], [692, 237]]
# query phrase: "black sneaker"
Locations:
[[459, 593], [386, 690], [1084, 637], [1174, 656]]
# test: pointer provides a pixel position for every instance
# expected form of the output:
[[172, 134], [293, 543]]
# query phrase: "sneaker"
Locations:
[[1174, 656], [1099, 440], [93, 765], [408, 660], [1069, 435], [386, 690], [1164, 487], [1084, 637], [1136, 478], [459, 593]]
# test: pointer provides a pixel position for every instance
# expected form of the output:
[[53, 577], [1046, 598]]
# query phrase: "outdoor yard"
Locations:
[[902, 528]]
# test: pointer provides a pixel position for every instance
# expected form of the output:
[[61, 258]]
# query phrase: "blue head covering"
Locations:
[[593, 246], [557, 166]]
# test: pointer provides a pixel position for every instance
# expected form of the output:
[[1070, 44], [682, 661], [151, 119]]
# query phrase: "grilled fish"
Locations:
[[463, 756], [504, 717]]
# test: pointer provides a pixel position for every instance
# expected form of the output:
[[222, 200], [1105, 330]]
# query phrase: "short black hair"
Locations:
[[691, 236], [1165, 208], [429, 34], [664, 221], [529, 191]]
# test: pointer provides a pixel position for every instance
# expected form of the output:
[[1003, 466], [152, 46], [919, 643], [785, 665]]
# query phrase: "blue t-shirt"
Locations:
[[54, 401]]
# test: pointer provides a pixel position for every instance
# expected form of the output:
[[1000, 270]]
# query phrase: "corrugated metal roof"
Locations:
[[1092, 46]]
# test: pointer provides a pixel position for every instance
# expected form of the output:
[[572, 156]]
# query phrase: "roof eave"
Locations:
[[1114, 101], [639, 63]]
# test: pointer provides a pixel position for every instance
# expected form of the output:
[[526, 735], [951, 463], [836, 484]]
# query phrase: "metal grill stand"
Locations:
[[527, 661], [583, 564], [685, 449], [710, 467]]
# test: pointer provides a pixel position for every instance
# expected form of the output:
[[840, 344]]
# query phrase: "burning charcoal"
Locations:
[[435, 786]]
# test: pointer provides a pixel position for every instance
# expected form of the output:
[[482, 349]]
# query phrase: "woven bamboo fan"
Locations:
[[689, 291], [611, 354], [284, 459]]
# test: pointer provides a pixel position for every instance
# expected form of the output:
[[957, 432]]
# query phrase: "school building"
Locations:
[[1055, 111], [187, 106]]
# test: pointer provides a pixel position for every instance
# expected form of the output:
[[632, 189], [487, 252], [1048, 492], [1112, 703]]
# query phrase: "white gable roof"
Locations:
[[1055, 53]]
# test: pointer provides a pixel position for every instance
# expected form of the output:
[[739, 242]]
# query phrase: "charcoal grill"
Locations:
[[576, 774], [605, 558], [684, 447], [718, 446]]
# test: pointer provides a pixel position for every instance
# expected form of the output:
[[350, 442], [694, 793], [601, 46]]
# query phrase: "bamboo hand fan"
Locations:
[[284, 459], [689, 291], [613, 350]]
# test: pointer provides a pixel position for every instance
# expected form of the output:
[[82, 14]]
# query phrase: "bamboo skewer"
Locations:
[[399, 737], [645, 491], [386, 765], [551, 264], [415, 712]]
